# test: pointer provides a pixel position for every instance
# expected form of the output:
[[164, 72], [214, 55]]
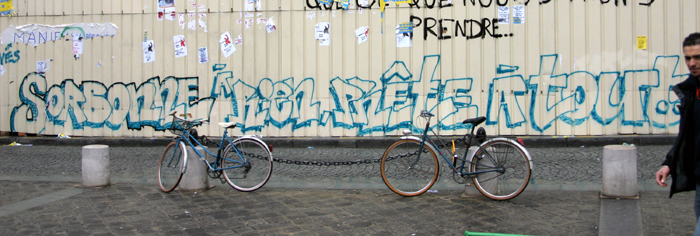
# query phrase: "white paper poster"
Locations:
[[270, 26], [41, 67], [2, 70], [404, 34], [504, 15], [149, 54], [323, 33], [252, 5], [203, 55], [519, 14], [361, 34], [180, 45], [226, 44], [77, 45]]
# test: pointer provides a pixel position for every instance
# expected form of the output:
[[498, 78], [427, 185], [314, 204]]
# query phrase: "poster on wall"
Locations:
[[6, 8], [203, 55], [404, 34], [180, 45], [361, 34], [226, 45], [323, 33], [149, 54], [166, 8], [77, 45], [253, 5], [519, 14], [35, 34], [504, 15], [270, 26]]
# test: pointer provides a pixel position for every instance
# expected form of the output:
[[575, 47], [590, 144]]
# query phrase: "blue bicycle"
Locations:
[[244, 163], [500, 167]]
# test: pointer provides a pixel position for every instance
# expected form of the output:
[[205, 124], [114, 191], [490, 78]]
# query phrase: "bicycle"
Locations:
[[410, 166], [245, 163]]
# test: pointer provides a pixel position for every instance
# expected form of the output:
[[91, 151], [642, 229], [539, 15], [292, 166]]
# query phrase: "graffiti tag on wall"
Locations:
[[365, 106]]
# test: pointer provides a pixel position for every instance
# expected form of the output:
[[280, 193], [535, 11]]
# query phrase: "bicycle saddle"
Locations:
[[475, 121], [228, 125]]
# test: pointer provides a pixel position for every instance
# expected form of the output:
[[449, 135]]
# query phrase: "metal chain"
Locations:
[[206, 140]]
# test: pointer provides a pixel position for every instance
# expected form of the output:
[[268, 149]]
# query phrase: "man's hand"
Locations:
[[661, 176]]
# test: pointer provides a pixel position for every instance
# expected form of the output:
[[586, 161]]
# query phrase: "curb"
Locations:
[[359, 142]]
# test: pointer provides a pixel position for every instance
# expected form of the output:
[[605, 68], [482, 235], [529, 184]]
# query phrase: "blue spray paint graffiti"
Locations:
[[366, 106], [536, 100], [92, 104]]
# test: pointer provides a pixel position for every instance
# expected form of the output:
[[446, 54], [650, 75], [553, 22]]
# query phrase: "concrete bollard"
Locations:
[[469, 187], [195, 177], [95, 165], [619, 171]]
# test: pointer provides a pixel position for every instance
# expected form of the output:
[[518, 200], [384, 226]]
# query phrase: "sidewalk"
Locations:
[[40, 193]]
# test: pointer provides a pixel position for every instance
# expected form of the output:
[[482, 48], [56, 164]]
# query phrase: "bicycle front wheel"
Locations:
[[247, 164], [171, 166], [408, 168], [502, 169]]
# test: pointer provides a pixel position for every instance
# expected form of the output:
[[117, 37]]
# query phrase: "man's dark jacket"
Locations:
[[681, 159]]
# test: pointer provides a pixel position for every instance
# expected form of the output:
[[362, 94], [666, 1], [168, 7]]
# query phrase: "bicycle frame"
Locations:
[[189, 138], [436, 149]]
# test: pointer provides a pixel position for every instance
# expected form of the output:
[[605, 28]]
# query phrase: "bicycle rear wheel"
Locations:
[[505, 167], [247, 164], [171, 166], [409, 169]]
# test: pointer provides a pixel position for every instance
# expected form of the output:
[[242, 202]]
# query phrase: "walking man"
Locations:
[[683, 160]]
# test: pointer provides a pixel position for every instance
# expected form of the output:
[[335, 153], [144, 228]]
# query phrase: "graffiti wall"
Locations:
[[309, 68]]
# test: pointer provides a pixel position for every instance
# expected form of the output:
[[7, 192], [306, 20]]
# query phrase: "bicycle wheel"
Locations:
[[406, 172], [171, 166], [505, 167], [247, 164]]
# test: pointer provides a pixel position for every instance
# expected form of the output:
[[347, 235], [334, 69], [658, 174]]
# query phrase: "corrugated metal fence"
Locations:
[[304, 68]]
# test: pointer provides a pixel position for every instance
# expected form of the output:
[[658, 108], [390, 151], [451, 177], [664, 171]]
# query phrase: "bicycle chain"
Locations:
[[331, 163]]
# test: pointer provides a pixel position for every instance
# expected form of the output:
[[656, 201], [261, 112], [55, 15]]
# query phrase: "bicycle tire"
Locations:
[[252, 162], [405, 174], [509, 168], [171, 166]]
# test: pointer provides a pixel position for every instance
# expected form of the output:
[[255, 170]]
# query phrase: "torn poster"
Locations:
[[192, 25], [226, 45], [202, 23], [248, 23], [361, 34], [310, 15], [35, 34], [180, 45], [519, 14], [6, 8], [166, 8], [262, 20], [149, 54], [404, 34], [270, 26], [323, 33], [203, 55], [2, 70], [504, 15], [239, 40], [181, 20]]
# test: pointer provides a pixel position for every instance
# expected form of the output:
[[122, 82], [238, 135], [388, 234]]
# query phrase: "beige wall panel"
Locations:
[[580, 47]]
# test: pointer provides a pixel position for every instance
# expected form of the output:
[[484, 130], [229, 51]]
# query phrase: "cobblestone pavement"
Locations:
[[318, 200], [552, 166]]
